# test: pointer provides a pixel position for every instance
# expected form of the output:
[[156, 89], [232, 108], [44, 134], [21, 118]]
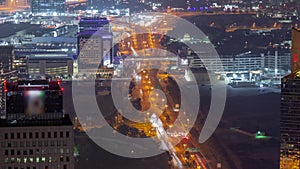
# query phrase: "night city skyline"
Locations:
[[150, 84]]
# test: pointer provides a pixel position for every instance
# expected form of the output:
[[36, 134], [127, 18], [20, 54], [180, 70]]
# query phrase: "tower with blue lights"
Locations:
[[94, 44]]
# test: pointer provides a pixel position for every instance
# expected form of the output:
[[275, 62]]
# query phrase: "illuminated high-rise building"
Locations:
[[295, 60], [290, 112], [94, 45], [47, 6]]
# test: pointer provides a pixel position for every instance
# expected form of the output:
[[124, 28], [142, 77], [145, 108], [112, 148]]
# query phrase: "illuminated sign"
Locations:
[[30, 104], [184, 62], [34, 102]]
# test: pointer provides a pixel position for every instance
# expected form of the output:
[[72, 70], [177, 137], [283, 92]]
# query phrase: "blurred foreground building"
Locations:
[[35, 133], [290, 111]]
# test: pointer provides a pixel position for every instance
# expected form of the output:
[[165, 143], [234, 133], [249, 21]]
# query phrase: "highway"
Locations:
[[161, 103], [161, 107]]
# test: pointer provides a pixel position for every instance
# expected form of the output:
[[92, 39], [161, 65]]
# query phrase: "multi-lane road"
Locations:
[[163, 105], [175, 138]]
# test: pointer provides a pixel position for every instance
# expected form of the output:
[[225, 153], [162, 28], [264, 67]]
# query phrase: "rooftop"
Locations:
[[65, 121], [32, 84], [297, 29], [294, 75]]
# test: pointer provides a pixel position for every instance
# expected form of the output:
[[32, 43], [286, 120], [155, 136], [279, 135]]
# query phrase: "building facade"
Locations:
[[295, 59], [6, 58], [229, 63], [47, 6], [243, 63], [94, 45], [50, 65], [290, 111], [278, 61], [37, 145], [35, 133], [46, 56], [290, 122]]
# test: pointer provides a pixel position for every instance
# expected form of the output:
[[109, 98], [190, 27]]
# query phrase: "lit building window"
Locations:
[[31, 160], [43, 159], [37, 159]]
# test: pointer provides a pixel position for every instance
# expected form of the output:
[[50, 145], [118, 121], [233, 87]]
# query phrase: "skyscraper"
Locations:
[[35, 134], [6, 58], [47, 6], [290, 112], [295, 60], [94, 43]]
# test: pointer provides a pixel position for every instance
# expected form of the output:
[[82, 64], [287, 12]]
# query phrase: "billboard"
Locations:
[[29, 104], [34, 102]]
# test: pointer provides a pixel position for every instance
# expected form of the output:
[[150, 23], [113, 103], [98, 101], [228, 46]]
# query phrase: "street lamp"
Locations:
[[116, 119]]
